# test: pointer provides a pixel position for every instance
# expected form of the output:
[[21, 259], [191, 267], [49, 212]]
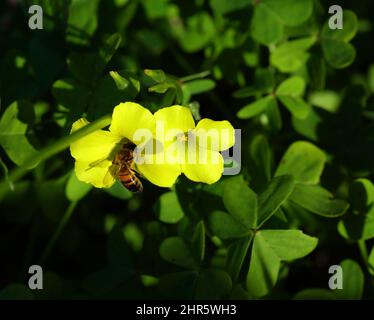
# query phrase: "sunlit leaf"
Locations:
[[353, 281], [296, 105], [199, 31], [168, 208], [241, 202], [327, 100], [275, 193], [225, 226], [261, 162], [304, 161], [318, 200], [291, 55], [14, 125], [265, 27], [270, 247], [82, 21], [335, 43], [255, 108], [292, 87], [339, 54], [347, 32], [290, 12]]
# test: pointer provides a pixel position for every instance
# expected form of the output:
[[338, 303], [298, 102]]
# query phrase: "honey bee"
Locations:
[[127, 175]]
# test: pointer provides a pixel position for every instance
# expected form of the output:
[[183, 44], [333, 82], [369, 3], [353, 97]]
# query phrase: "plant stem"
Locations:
[[363, 250], [51, 150], [195, 76], [66, 217]]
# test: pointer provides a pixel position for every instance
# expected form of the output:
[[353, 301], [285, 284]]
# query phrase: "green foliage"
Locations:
[[291, 55], [302, 95], [318, 200], [270, 17], [241, 202], [289, 93], [304, 161], [199, 282], [270, 247], [353, 285], [75, 189], [82, 16], [336, 47], [14, 131], [360, 223], [118, 191], [168, 208]]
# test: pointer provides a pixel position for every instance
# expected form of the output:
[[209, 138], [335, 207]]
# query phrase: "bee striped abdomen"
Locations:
[[130, 181], [124, 160]]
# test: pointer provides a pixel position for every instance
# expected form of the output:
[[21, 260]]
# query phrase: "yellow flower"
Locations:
[[95, 152], [195, 149], [185, 148]]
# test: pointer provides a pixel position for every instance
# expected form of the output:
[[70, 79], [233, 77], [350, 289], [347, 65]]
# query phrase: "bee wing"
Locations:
[[97, 163], [112, 172]]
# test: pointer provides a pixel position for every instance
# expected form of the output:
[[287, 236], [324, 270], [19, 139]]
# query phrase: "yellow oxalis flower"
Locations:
[[95, 152], [195, 148]]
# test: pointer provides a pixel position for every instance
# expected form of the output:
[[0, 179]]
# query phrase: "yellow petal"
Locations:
[[173, 153], [172, 121], [152, 162], [203, 166], [215, 135], [160, 174], [98, 145], [130, 120], [100, 176]]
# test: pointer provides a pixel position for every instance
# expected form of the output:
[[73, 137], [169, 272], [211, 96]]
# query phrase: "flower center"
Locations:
[[182, 137]]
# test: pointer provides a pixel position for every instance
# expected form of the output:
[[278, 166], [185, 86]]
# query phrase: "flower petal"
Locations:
[[203, 166], [174, 119], [100, 176], [98, 145], [215, 135], [160, 174], [128, 118]]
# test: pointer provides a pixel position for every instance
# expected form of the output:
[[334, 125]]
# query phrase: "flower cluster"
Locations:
[[168, 143]]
